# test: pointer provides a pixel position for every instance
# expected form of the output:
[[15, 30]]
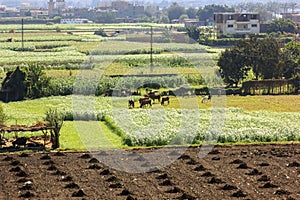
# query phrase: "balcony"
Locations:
[[243, 22], [242, 30]]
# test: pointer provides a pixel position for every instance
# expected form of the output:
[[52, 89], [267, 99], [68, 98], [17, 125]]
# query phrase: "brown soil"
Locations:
[[229, 172]]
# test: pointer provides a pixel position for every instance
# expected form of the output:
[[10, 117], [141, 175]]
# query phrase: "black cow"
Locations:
[[130, 103], [20, 141]]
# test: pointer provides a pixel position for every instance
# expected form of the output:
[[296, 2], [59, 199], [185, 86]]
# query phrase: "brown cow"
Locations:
[[165, 99], [145, 102]]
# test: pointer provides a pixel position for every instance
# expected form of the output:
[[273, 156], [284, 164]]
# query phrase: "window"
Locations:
[[253, 25], [230, 25]]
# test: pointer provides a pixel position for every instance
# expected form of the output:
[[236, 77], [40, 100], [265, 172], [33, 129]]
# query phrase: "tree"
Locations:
[[165, 19], [191, 12], [105, 17], [287, 64], [296, 81], [183, 16], [294, 48], [36, 81], [232, 66], [264, 10], [193, 32], [282, 25], [262, 55], [175, 11], [290, 59], [269, 54], [207, 13]]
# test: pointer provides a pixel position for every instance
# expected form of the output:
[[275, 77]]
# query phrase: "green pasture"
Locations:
[[96, 135]]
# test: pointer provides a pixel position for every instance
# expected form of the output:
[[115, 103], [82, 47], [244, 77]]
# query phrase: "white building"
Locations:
[[74, 21], [233, 23]]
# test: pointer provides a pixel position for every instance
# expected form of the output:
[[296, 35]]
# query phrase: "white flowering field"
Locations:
[[175, 126]]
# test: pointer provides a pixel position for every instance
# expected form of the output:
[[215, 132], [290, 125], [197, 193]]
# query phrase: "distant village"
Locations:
[[122, 11]]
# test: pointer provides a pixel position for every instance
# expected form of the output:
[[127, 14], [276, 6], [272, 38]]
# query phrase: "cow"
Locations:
[[130, 103], [154, 95], [165, 99], [205, 98], [20, 141], [145, 102]]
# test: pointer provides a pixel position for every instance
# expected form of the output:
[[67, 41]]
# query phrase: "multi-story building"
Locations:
[[124, 9], [233, 23], [55, 7]]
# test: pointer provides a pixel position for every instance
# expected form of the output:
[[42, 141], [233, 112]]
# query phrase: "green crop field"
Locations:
[[75, 46]]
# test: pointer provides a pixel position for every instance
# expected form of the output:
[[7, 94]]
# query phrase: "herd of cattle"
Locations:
[[148, 98]]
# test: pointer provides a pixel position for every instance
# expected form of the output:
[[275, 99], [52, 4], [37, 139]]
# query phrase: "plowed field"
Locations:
[[269, 171]]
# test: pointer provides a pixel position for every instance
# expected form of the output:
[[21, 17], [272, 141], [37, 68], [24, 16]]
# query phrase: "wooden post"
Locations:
[[22, 34], [151, 50]]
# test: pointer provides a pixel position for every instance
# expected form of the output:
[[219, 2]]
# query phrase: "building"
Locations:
[[123, 9], [295, 17], [55, 8], [9, 11], [191, 22], [237, 23], [74, 21]]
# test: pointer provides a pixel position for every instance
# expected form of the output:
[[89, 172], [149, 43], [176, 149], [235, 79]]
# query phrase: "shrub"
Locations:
[[3, 116], [55, 119]]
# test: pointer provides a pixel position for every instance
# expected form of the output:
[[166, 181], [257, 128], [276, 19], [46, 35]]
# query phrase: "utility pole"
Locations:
[[22, 34], [151, 50]]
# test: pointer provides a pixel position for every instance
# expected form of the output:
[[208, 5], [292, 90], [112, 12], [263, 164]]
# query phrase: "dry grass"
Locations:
[[280, 103]]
